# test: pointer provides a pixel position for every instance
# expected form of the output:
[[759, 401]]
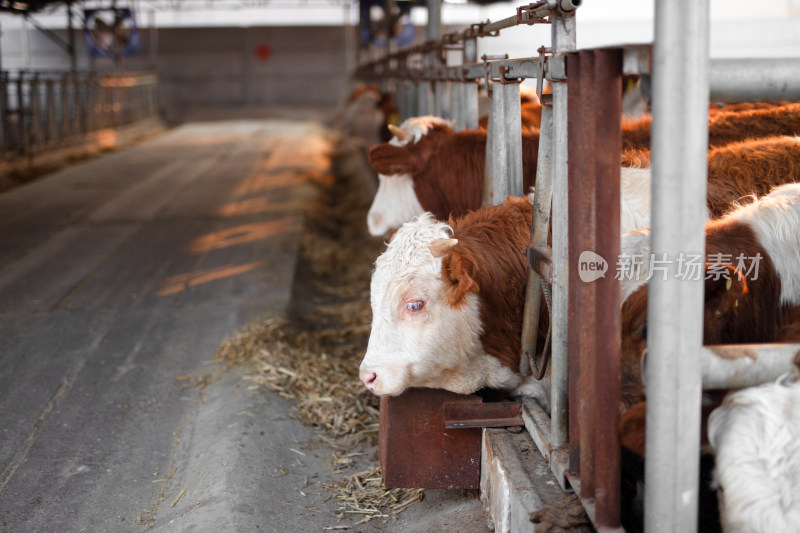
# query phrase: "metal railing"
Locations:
[[580, 440], [41, 110]]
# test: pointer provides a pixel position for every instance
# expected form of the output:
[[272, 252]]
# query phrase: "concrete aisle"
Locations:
[[118, 276]]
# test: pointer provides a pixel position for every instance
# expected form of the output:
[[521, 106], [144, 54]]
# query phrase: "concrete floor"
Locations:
[[119, 277]]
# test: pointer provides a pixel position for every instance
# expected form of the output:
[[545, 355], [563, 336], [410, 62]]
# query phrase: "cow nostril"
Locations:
[[368, 378]]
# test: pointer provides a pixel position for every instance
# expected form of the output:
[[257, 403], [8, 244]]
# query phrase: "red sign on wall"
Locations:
[[263, 52]]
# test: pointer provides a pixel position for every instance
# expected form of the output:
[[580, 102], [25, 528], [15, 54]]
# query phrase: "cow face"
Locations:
[[396, 201], [426, 324]]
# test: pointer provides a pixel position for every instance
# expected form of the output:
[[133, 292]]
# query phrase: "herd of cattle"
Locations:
[[447, 294]]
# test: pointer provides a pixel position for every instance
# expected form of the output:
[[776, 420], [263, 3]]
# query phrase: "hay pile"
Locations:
[[312, 357]]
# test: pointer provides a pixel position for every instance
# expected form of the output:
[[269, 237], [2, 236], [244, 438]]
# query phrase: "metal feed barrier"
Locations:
[[581, 124], [46, 109]]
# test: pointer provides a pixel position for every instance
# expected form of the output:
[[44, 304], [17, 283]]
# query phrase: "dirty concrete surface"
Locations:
[[119, 278]]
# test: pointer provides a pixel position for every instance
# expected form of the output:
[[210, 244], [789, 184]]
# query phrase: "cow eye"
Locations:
[[414, 306]]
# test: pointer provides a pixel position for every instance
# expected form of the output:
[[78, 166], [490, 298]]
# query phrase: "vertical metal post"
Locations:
[[434, 19], [607, 86], [434, 31], [563, 40], [413, 98], [400, 99], [512, 138], [21, 113], [36, 113], [440, 105], [582, 295], [675, 306], [73, 61], [65, 118], [469, 100], [456, 106], [542, 200], [494, 183], [469, 104], [152, 34], [4, 132], [424, 106]]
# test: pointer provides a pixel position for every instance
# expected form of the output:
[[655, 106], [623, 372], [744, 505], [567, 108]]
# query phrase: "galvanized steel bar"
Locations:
[[540, 226], [470, 103], [440, 103], [754, 80], [563, 40], [607, 326], [527, 67], [494, 183], [424, 95], [413, 99], [675, 306], [457, 108], [746, 365], [582, 226], [512, 139]]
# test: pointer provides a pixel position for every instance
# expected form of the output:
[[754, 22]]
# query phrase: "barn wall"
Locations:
[[216, 67]]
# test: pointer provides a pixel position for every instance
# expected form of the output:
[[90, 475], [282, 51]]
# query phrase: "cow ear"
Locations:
[[631, 428], [459, 272], [723, 294], [388, 159], [441, 247]]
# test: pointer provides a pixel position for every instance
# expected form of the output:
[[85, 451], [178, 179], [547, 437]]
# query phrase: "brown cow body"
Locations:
[[725, 127]]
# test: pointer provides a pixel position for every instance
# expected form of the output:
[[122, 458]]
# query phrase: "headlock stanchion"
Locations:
[[578, 180]]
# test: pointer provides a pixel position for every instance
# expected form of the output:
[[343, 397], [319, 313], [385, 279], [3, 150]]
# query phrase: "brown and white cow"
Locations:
[[396, 201], [747, 306], [447, 303], [442, 171]]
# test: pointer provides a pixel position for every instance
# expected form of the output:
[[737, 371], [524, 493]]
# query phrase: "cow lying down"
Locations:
[[447, 301]]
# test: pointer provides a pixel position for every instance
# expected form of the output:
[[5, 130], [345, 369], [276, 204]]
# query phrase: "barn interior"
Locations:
[[186, 255]]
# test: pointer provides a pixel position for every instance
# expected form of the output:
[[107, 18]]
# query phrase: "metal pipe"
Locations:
[[512, 139], [457, 108], [563, 40], [746, 365], [424, 106], [675, 306], [494, 183], [440, 104], [573, 349], [754, 80], [607, 87], [470, 105], [540, 226], [582, 296], [413, 100], [470, 52]]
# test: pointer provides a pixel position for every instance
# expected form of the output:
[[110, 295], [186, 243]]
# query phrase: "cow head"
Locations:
[[426, 324], [396, 202]]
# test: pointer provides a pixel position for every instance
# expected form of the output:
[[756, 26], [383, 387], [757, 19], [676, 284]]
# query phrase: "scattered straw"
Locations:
[[313, 357], [364, 494], [178, 498]]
